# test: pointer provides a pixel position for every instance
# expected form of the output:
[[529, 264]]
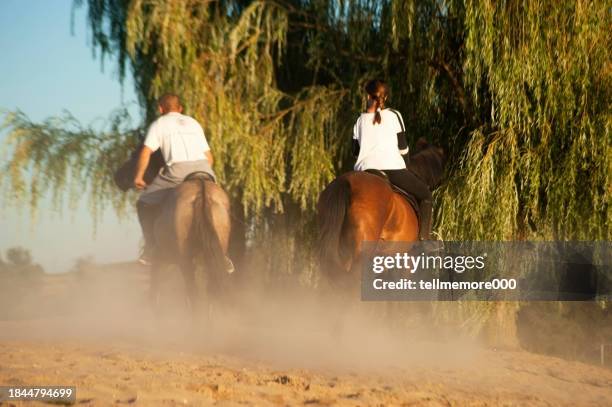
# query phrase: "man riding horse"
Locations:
[[185, 151]]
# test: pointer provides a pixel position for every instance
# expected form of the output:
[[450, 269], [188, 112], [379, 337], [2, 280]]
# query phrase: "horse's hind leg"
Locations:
[[220, 213], [154, 287], [198, 306], [188, 271]]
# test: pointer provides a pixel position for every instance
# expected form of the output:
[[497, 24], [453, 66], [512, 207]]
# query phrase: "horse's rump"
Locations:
[[194, 221], [379, 212], [359, 207]]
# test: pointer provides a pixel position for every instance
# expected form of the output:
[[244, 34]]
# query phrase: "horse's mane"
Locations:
[[428, 163], [124, 176]]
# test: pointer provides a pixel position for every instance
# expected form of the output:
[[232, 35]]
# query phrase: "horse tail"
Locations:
[[206, 240], [333, 206]]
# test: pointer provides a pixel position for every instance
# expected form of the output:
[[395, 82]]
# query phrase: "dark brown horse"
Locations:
[[359, 206], [193, 223]]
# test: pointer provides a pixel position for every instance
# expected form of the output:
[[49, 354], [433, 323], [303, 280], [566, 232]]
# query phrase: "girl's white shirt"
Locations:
[[378, 142]]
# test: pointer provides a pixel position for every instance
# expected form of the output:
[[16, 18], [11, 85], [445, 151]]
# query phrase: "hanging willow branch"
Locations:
[[60, 155]]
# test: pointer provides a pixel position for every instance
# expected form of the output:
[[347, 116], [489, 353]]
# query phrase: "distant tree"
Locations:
[[19, 256], [19, 260]]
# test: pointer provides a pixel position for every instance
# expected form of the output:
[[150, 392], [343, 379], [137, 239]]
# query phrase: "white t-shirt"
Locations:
[[180, 138], [378, 142]]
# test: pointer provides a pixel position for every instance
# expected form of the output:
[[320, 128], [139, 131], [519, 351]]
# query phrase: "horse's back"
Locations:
[[370, 197], [377, 212]]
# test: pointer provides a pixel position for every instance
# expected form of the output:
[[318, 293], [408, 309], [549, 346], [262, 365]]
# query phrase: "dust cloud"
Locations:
[[260, 341], [287, 325]]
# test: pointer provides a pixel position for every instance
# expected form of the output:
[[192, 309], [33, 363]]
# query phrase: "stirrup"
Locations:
[[144, 260], [146, 256]]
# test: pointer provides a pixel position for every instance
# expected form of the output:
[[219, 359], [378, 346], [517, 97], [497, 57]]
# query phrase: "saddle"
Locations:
[[200, 175], [404, 194]]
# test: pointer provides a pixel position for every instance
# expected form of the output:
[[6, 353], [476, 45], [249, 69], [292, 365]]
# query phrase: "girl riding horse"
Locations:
[[380, 140], [359, 206]]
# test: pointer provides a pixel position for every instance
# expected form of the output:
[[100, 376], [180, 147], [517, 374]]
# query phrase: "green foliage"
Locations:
[[540, 166], [60, 155]]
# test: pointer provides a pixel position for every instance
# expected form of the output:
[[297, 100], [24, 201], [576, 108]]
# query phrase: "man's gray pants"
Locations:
[[170, 177]]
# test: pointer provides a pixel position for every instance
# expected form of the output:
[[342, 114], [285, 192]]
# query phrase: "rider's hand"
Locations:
[[139, 183]]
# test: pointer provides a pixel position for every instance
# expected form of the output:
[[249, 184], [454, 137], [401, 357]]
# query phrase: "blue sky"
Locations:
[[45, 69]]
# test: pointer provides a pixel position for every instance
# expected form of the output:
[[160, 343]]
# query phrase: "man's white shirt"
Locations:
[[180, 138]]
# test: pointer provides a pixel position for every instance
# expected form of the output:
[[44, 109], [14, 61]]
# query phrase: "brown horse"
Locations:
[[193, 223], [359, 206]]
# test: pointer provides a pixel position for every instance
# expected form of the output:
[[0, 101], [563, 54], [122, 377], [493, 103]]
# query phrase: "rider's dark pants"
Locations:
[[409, 182]]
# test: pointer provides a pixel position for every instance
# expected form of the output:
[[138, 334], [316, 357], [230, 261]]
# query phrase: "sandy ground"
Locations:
[[98, 334], [131, 371]]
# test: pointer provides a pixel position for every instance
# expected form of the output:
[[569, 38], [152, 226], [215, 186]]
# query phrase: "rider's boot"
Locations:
[[146, 215], [229, 265], [425, 211]]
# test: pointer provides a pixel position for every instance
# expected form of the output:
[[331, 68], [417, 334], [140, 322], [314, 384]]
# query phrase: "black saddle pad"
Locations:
[[405, 194]]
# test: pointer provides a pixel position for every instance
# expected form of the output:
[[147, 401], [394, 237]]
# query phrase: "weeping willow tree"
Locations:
[[517, 91], [540, 166]]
